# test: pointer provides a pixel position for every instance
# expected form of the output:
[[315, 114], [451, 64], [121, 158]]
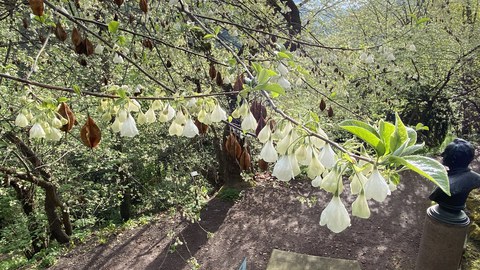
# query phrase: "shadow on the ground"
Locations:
[[194, 236]]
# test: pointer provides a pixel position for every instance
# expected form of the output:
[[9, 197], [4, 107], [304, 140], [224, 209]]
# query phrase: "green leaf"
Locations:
[[76, 88], [113, 26], [386, 131], [274, 88], [62, 99], [315, 117], [412, 135], [265, 75], [365, 132], [400, 135], [420, 126], [413, 149], [423, 20], [284, 55], [395, 178], [209, 36], [426, 167], [257, 67]]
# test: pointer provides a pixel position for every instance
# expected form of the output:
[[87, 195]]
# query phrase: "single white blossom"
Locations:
[[264, 134], [268, 153], [129, 128], [332, 182], [57, 123], [190, 130], [150, 116], [117, 125], [157, 105], [284, 83], [357, 182], [36, 131], [317, 181], [141, 118], [295, 167], [376, 187], [21, 120], [282, 69], [122, 115], [360, 207], [99, 49], [283, 169], [282, 145], [53, 134], [315, 168], [180, 118], [218, 114], [117, 59], [175, 129], [327, 157], [335, 216], [249, 122], [134, 106]]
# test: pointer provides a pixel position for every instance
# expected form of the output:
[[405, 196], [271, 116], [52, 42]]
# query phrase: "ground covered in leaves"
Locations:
[[267, 216]]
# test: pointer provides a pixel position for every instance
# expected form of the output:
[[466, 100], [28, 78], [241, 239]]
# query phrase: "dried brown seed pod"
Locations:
[[90, 133]]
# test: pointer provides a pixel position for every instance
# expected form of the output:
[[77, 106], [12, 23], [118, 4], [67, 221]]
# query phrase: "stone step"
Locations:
[[284, 260]]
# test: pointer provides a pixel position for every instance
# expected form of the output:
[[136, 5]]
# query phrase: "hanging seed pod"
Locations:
[[147, 43], [60, 33], [89, 49], [118, 2], [212, 71], [323, 105], [76, 38], [238, 149], [169, 64], [144, 6], [230, 145], [261, 124], [82, 61], [81, 48], [219, 80], [245, 160], [263, 165], [67, 113], [36, 6], [238, 86], [90, 133], [26, 23], [202, 128], [330, 112]]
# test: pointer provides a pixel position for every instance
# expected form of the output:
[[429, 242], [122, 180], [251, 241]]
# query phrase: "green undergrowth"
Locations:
[[472, 253], [229, 194]]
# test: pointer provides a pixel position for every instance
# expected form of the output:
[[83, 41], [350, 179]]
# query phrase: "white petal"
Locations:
[[37, 131], [150, 116], [122, 115], [332, 182], [53, 134], [175, 129], [283, 169], [295, 167], [284, 83], [360, 207], [129, 128], [99, 49], [180, 118], [335, 216], [117, 125], [141, 118], [157, 105], [264, 134], [376, 188], [190, 130], [249, 122], [327, 157], [357, 182], [268, 153], [282, 69], [21, 120], [282, 146], [317, 181], [218, 114]]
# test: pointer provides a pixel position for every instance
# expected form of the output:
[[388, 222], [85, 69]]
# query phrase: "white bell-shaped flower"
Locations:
[[201, 115], [301, 153], [328, 157], [284, 83], [249, 122], [57, 123], [317, 181], [150, 116], [332, 182], [264, 134], [175, 129], [134, 106], [129, 127], [376, 187], [192, 103], [411, 47], [317, 142], [370, 59], [116, 125], [141, 118], [335, 216], [282, 145], [363, 57], [283, 169], [282, 69], [36, 131], [53, 134], [106, 117], [190, 130], [315, 168], [21, 120], [241, 111], [122, 115], [157, 105], [180, 118], [218, 114], [295, 167], [99, 49], [117, 59], [170, 112], [268, 153], [357, 182], [360, 207]]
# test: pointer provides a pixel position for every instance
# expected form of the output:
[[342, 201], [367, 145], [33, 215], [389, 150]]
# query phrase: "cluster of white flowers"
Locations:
[[367, 58], [289, 151], [44, 126]]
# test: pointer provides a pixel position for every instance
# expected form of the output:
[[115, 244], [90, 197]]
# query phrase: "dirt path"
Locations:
[[270, 216]]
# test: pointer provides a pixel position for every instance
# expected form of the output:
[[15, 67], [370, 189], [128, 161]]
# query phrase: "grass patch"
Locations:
[[229, 194]]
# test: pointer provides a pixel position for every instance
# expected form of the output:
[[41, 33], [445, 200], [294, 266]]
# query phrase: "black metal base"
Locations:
[[457, 218]]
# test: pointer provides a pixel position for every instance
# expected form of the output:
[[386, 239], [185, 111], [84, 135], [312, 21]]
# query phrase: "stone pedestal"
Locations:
[[284, 260], [443, 239]]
